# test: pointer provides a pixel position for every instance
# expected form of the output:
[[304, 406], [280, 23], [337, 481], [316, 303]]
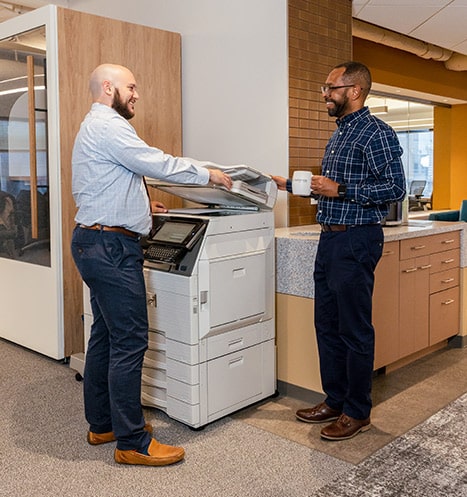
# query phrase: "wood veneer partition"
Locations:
[[154, 57]]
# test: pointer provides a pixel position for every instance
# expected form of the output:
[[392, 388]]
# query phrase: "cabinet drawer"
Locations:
[[444, 260], [444, 315], [424, 245], [444, 280]]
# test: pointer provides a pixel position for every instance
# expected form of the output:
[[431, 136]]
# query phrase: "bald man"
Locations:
[[109, 164]]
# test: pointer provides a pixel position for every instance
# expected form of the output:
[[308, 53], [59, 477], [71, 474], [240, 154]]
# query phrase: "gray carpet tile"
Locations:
[[44, 453], [427, 461]]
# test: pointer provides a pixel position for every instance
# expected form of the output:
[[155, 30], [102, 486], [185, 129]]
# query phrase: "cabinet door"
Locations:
[[414, 305], [386, 306], [444, 315]]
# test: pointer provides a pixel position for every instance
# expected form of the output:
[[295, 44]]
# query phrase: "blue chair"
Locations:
[[453, 215]]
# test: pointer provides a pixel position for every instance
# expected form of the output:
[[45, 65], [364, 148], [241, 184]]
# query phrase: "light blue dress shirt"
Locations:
[[109, 161]]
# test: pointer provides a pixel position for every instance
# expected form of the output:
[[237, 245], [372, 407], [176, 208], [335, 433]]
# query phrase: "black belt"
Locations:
[[334, 227], [117, 229]]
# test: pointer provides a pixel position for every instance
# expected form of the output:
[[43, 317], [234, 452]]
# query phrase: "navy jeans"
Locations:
[[111, 264], [344, 280]]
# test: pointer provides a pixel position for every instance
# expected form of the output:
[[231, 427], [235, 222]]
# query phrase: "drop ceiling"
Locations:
[[440, 22]]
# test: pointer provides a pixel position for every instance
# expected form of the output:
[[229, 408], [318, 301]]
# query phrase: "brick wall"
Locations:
[[320, 36]]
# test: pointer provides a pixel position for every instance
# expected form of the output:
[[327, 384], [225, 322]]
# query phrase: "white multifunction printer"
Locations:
[[210, 276]]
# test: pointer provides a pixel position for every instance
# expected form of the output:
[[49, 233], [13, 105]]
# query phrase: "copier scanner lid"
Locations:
[[251, 189]]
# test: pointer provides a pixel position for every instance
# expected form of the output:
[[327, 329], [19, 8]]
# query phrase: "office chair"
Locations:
[[415, 194]]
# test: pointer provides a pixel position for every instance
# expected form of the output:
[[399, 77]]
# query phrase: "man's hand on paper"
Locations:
[[217, 177]]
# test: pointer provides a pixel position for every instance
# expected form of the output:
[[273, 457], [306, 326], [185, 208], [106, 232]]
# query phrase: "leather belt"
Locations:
[[334, 227], [116, 229]]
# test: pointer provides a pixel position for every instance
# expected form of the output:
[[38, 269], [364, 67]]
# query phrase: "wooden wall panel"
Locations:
[[154, 57]]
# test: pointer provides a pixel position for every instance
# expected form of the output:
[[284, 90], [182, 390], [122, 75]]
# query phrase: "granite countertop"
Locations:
[[296, 251]]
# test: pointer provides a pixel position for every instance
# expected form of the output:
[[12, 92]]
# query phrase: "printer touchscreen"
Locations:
[[171, 239], [173, 232]]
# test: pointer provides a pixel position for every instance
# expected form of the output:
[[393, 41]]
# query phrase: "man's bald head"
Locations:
[[115, 86], [107, 73]]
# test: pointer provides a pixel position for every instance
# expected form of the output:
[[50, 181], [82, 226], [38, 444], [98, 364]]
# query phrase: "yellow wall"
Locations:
[[402, 69], [458, 155], [442, 158], [450, 157]]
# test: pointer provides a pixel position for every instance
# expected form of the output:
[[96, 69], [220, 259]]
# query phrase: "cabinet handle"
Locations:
[[447, 261], [426, 266], [447, 302], [388, 252], [418, 247], [448, 280], [451, 240], [411, 270]]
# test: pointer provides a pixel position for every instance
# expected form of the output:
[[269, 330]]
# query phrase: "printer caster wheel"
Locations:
[[78, 377]]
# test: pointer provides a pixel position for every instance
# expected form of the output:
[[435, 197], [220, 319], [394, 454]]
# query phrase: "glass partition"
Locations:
[[24, 178]]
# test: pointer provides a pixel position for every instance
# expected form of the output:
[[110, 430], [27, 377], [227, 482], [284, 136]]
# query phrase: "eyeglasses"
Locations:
[[329, 88]]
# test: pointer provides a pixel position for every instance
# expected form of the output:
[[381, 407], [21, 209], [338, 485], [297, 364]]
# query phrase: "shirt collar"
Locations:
[[103, 108], [350, 118]]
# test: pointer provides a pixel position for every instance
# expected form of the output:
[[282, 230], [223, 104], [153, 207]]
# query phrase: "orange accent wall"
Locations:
[[398, 68], [442, 158], [458, 155]]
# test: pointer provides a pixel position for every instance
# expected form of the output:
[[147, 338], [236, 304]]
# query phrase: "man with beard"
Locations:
[[109, 164], [362, 174]]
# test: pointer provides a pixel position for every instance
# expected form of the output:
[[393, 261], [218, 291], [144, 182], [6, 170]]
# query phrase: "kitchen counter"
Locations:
[[296, 251], [297, 355]]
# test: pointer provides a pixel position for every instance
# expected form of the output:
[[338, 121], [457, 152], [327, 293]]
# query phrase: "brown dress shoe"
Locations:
[[159, 455], [318, 414], [345, 427], [103, 438]]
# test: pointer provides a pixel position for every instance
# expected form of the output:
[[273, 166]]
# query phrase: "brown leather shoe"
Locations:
[[103, 438], [159, 455], [345, 427], [317, 414]]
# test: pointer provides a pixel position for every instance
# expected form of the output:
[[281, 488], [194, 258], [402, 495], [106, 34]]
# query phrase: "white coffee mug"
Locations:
[[301, 183]]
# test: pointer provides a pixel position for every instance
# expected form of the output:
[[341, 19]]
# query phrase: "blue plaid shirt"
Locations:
[[364, 154]]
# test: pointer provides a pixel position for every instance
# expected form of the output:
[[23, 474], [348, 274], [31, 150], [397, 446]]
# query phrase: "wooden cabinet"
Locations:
[[386, 306], [414, 305], [416, 300]]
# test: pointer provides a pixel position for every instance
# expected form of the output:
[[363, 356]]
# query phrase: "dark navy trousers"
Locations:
[[111, 264], [344, 281]]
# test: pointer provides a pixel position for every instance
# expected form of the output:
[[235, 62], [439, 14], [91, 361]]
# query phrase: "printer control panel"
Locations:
[[173, 243]]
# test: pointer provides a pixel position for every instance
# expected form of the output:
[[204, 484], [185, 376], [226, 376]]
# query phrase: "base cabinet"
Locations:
[[416, 302], [386, 306]]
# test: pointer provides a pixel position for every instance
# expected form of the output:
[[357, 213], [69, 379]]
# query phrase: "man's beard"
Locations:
[[339, 109], [121, 107]]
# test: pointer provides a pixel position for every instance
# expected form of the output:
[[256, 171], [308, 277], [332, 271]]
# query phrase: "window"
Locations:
[[413, 123]]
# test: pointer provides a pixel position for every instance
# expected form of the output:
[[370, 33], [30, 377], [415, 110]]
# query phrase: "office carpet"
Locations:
[[44, 453], [402, 399], [429, 460], [43, 450]]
